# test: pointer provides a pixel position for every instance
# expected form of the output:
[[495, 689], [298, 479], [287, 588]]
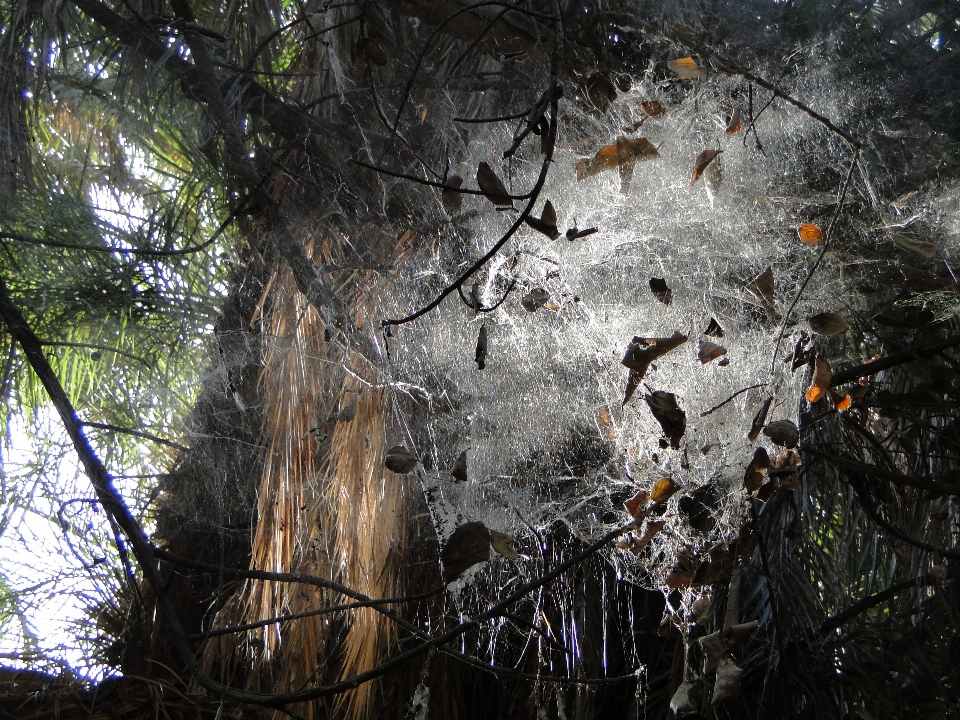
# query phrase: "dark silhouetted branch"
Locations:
[[871, 368], [832, 623]]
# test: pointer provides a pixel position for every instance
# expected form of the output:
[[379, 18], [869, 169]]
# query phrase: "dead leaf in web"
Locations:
[[733, 123], [546, 223], [821, 380], [762, 287], [399, 460], [810, 234], [727, 685], [624, 154], [783, 433], [681, 573], [643, 351], [652, 108], [535, 299], [600, 91], [663, 490], [920, 248], [714, 329], [686, 68], [658, 286], [468, 545], [492, 187], [703, 160], [605, 423], [710, 351], [345, 414], [451, 199], [686, 699], [459, 469], [481, 355], [759, 419], [503, 544], [828, 324], [637, 503], [672, 419], [841, 402], [373, 52], [575, 233], [754, 478]]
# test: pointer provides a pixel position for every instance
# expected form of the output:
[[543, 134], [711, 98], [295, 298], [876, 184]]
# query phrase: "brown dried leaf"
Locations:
[[549, 215], [658, 286], [828, 324], [672, 419], [703, 160], [492, 187], [535, 299], [643, 351], [920, 248], [678, 576], [783, 433], [373, 52], [754, 478], [480, 358], [727, 685], [710, 351], [459, 469], [714, 329], [575, 233], [503, 544], [451, 199], [762, 287], [400, 460], [652, 108], [468, 545], [759, 419], [600, 92]]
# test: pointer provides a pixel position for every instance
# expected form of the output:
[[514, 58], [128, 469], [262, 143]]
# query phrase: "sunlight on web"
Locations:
[[547, 435]]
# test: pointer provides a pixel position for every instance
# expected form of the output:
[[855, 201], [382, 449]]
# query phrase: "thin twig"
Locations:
[[826, 246], [94, 346], [832, 623], [136, 433], [738, 392], [871, 368], [896, 478]]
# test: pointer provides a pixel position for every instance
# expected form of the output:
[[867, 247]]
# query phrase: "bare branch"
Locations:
[[871, 368]]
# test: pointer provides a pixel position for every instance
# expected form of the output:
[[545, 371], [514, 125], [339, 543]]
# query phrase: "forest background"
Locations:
[[294, 342]]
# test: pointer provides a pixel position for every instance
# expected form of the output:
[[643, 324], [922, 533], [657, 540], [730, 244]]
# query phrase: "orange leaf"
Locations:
[[821, 380], [703, 160], [622, 154], [686, 68], [810, 234], [607, 430], [663, 490]]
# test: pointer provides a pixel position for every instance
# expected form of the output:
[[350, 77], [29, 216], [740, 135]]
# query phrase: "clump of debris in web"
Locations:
[[633, 370]]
